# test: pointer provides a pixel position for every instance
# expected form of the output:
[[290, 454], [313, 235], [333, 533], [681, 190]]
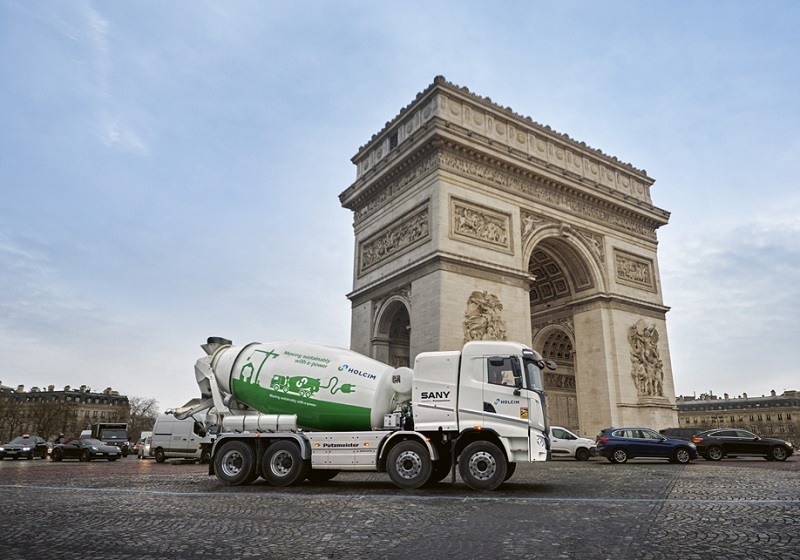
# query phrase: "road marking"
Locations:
[[269, 494]]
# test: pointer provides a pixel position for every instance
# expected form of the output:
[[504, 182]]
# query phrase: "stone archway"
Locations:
[[458, 199], [392, 339], [560, 385]]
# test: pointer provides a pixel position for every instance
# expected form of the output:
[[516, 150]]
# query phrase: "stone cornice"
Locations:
[[609, 301]]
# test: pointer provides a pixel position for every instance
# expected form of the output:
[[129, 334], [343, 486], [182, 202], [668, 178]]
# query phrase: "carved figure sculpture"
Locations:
[[646, 365], [482, 318]]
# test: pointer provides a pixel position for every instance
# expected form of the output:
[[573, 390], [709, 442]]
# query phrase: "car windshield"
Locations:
[[22, 440]]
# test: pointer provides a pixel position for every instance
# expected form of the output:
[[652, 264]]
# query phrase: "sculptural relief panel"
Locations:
[[634, 270], [406, 233], [646, 364], [483, 317], [479, 225]]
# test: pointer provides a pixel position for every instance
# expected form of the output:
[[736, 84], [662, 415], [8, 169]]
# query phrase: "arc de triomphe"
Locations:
[[473, 222]]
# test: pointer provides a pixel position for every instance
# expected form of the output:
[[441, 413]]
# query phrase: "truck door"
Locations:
[[505, 402]]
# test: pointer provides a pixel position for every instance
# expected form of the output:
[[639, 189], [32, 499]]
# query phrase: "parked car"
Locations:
[[620, 444], [679, 433], [713, 445], [564, 443], [24, 446], [85, 449]]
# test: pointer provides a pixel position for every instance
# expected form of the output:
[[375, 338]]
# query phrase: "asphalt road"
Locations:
[[741, 508]]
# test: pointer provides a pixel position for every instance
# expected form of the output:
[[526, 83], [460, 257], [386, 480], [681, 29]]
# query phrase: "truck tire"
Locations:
[[440, 470], [409, 465], [235, 464], [282, 464], [482, 465], [160, 456], [319, 475]]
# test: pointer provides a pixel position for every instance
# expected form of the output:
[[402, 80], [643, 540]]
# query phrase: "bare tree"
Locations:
[[142, 417], [48, 418]]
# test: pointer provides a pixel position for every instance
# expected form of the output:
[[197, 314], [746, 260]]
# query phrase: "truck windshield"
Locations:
[[533, 374], [113, 433]]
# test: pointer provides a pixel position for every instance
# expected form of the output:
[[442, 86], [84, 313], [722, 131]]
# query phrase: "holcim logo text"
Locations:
[[358, 372]]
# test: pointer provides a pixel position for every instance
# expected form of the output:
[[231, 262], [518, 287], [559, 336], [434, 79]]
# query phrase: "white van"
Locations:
[[178, 439]]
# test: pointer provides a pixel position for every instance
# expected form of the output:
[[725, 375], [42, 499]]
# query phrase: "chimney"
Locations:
[[744, 395], [773, 392], [20, 388], [67, 388], [51, 388], [726, 396]]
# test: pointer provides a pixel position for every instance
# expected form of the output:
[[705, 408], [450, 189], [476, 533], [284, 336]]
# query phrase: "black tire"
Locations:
[[85, 456], [56, 455], [235, 464], [714, 453], [778, 453], [282, 464], [112, 459], [206, 457], [682, 456], [318, 476], [482, 465], [582, 454], [440, 470], [160, 456], [619, 455], [409, 465], [510, 470]]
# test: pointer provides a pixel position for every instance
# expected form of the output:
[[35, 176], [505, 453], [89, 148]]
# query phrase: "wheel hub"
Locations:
[[482, 466]]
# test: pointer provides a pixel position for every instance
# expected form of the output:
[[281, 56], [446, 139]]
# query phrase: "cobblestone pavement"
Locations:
[[743, 508]]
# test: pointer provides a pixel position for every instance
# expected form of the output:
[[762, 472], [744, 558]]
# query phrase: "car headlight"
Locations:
[[788, 444], [2, 448], [26, 448], [94, 448]]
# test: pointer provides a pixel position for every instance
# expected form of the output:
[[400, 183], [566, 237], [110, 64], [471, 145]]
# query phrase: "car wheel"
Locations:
[[85, 456], [482, 465], [282, 464], [619, 455], [682, 456], [582, 454], [160, 456], [714, 453], [112, 459], [56, 455], [778, 453], [409, 465]]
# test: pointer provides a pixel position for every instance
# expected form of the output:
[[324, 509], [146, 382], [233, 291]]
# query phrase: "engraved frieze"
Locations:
[[403, 235], [634, 270], [477, 224]]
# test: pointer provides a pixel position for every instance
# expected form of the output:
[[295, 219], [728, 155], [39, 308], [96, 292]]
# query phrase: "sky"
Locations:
[[170, 171]]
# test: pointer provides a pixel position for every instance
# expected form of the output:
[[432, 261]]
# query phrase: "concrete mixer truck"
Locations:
[[295, 411]]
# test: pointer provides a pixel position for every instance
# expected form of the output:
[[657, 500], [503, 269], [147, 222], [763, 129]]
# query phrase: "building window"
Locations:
[[780, 416], [788, 416], [94, 414], [768, 418], [86, 414], [759, 418]]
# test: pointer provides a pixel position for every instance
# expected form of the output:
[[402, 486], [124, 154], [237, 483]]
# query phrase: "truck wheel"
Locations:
[[582, 454], [160, 456], [282, 464], [440, 470], [482, 466], [235, 464], [512, 467], [316, 476], [409, 465]]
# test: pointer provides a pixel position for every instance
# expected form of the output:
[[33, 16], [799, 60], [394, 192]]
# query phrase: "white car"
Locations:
[[564, 443]]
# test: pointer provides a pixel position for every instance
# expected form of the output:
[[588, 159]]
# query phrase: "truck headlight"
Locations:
[[540, 441]]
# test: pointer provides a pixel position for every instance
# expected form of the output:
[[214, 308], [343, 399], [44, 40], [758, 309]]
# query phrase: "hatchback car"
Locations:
[[24, 447], [713, 445], [620, 444], [85, 449]]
